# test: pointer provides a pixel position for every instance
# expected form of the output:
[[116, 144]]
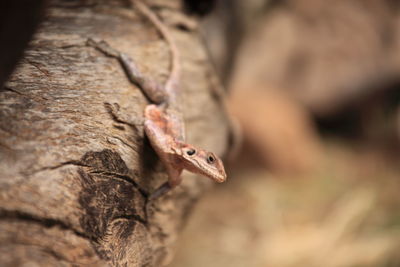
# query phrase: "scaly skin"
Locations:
[[163, 122], [178, 155]]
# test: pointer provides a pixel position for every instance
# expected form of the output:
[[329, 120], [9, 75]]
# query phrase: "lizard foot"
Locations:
[[162, 190]]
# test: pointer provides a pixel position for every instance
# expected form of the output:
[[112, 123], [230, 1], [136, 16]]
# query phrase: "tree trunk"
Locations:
[[75, 165]]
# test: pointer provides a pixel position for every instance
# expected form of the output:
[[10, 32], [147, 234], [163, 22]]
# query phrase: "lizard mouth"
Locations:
[[211, 173]]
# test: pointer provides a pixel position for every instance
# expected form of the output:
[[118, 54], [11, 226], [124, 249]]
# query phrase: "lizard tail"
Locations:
[[174, 76]]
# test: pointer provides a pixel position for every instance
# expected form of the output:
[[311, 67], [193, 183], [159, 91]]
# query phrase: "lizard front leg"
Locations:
[[158, 128], [174, 179]]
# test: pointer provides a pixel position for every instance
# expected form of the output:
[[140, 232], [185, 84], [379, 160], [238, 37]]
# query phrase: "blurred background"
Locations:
[[315, 86]]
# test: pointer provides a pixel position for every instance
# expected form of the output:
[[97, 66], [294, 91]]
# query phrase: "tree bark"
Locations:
[[75, 166]]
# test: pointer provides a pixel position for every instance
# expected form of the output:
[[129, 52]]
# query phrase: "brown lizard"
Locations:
[[163, 122]]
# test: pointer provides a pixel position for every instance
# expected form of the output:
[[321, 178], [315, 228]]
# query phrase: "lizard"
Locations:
[[163, 123]]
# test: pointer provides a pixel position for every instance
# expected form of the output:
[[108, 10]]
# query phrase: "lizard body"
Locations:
[[177, 155], [163, 124]]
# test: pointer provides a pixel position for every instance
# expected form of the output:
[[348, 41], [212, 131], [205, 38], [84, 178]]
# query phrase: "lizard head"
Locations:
[[202, 162]]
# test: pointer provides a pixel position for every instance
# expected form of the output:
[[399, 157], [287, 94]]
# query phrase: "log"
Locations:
[[76, 169]]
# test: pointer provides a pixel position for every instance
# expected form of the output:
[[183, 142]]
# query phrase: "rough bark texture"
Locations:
[[75, 166]]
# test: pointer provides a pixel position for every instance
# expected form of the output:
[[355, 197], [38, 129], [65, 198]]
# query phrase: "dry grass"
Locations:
[[344, 214]]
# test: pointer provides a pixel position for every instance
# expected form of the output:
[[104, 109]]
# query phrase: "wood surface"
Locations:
[[75, 166]]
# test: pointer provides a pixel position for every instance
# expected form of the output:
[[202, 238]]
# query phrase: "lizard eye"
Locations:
[[210, 159], [191, 152]]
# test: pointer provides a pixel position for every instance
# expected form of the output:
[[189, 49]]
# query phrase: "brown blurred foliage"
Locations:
[[315, 85], [333, 62], [277, 130]]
